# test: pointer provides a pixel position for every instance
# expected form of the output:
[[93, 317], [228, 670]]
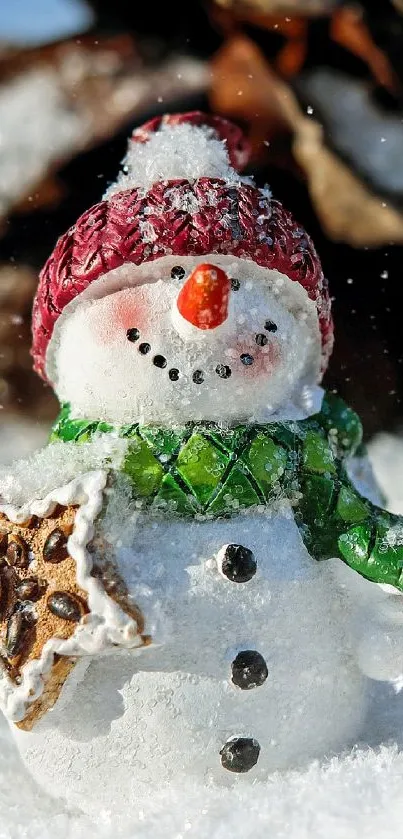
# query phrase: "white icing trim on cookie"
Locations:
[[105, 626]]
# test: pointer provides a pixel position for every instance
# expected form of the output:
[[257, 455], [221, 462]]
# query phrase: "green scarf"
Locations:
[[205, 470]]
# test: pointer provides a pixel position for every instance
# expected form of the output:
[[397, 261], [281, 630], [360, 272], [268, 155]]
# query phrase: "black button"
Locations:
[[238, 564], [249, 670], [240, 754]]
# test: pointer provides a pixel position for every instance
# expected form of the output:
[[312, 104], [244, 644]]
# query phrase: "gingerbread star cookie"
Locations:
[[58, 598]]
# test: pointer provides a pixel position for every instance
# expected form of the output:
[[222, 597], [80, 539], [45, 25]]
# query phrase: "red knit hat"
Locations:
[[214, 212]]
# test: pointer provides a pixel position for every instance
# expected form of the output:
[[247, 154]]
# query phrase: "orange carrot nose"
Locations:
[[203, 300]]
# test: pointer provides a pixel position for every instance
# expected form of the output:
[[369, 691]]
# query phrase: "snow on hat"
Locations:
[[179, 193]]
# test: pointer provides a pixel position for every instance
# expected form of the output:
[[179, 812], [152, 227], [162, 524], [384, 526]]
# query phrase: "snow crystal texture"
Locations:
[[165, 712], [357, 795], [119, 380], [180, 151], [34, 102]]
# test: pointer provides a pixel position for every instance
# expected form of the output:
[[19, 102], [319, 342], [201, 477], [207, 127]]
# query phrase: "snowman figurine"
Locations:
[[191, 583]]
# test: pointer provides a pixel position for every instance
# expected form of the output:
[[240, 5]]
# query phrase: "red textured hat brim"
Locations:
[[236, 220]]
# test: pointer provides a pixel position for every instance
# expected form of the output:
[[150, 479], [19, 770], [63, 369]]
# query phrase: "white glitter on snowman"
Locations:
[[184, 323]]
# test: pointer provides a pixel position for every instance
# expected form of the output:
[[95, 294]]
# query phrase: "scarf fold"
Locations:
[[205, 470]]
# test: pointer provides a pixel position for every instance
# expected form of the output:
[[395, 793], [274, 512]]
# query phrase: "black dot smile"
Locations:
[[246, 359], [159, 361], [133, 334], [223, 371], [270, 326]]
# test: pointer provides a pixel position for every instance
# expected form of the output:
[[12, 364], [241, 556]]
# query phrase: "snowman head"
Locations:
[[186, 294]]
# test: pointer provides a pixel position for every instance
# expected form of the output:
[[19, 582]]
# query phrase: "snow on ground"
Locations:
[[20, 437], [36, 102], [358, 795], [386, 452]]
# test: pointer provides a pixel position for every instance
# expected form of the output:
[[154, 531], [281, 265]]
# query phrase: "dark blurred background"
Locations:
[[318, 86]]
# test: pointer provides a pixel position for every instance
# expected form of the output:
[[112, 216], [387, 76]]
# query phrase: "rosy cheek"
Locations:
[[265, 359], [110, 322], [270, 357]]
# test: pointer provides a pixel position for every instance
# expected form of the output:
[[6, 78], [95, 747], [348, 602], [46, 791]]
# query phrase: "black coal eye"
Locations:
[[261, 339], [173, 374], [223, 371], [144, 348], [133, 334], [159, 361], [235, 284], [247, 359], [198, 377], [177, 272], [270, 326]]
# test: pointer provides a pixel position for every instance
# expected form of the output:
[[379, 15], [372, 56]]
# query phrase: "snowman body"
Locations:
[[131, 721], [189, 298]]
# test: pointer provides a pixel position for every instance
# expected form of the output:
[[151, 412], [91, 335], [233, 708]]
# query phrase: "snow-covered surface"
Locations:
[[360, 129], [386, 453], [352, 796], [180, 151], [174, 702], [59, 118], [19, 438], [46, 469], [26, 154]]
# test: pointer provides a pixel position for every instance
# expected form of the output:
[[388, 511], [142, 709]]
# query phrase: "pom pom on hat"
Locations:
[[237, 145], [178, 194], [177, 146]]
